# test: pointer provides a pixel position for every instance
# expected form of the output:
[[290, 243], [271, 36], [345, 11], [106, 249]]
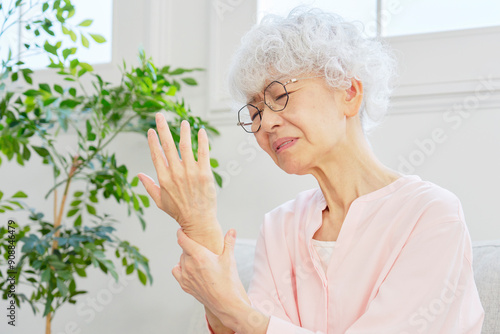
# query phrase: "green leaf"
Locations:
[[86, 66], [45, 7], [75, 203], [85, 23], [50, 48], [69, 103], [72, 212], [85, 41], [190, 81], [135, 181], [27, 77], [136, 203], [42, 151], [32, 92], [178, 71], [48, 305], [91, 209], [98, 38], [218, 179], [63, 289], [74, 63], [80, 272], [143, 223], [66, 53], [142, 277], [1, 195], [78, 221], [130, 269], [45, 87], [19, 194], [58, 89], [214, 163], [46, 275], [72, 35], [78, 193], [144, 200], [49, 101]]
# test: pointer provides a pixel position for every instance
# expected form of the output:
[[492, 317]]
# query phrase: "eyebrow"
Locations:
[[252, 101]]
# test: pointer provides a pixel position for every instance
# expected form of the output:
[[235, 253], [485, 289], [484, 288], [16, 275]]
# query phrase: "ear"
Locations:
[[353, 97]]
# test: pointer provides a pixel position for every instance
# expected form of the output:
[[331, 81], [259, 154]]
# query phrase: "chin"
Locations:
[[292, 168]]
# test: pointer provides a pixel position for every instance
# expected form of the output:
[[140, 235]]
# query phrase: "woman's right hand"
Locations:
[[186, 189]]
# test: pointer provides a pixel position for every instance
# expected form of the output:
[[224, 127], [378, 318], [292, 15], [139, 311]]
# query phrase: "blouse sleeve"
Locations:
[[430, 288]]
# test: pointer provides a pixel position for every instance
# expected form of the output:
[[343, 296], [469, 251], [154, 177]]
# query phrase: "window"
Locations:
[[401, 17], [424, 16], [100, 11], [364, 11]]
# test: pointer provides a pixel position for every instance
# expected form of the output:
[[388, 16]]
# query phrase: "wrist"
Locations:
[[209, 236], [243, 318]]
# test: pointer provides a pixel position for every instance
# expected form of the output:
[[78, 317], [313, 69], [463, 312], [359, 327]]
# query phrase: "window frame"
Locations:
[[439, 90]]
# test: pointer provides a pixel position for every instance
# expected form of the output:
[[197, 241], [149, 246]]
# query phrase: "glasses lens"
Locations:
[[276, 96], [249, 118]]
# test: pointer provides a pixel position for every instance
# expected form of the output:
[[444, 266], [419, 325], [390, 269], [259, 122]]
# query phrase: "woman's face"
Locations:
[[305, 135]]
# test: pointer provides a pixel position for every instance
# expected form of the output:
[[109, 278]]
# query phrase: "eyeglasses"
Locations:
[[275, 97]]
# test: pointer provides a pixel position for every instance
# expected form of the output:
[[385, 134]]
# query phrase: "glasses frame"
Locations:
[[270, 107]]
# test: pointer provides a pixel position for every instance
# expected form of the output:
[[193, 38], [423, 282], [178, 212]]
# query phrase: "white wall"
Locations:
[[466, 159]]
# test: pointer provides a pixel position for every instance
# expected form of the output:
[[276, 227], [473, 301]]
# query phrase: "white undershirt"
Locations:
[[324, 250]]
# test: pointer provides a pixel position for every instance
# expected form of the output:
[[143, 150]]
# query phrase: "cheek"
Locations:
[[263, 141]]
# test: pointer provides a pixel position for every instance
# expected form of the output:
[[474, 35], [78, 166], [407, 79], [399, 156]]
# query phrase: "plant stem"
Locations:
[[57, 222], [48, 323], [99, 149], [58, 219]]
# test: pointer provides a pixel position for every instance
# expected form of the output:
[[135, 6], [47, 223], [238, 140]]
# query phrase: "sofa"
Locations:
[[486, 263]]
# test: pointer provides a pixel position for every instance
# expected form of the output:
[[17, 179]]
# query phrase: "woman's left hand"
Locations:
[[212, 279]]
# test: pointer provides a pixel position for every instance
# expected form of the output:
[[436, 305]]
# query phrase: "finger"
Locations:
[[157, 155], [177, 273], [152, 189], [229, 242], [188, 245], [203, 150], [182, 261], [167, 142], [185, 145]]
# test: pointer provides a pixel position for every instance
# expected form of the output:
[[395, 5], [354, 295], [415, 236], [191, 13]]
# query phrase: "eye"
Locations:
[[255, 115], [280, 97]]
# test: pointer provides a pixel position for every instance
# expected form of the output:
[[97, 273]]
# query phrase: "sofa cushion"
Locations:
[[486, 264]]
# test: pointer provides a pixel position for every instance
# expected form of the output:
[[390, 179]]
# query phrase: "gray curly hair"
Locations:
[[312, 41]]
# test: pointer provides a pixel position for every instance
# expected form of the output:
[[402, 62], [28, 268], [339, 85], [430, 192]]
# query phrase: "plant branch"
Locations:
[[58, 220]]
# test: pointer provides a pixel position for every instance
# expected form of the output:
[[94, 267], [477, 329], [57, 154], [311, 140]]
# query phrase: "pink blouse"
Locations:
[[401, 264]]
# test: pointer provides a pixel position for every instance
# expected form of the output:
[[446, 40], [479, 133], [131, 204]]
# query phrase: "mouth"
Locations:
[[283, 143]]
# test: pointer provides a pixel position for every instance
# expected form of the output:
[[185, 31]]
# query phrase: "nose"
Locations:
[[270, 119]]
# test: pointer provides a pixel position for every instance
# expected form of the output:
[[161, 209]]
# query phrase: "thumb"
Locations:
[[229, 241]]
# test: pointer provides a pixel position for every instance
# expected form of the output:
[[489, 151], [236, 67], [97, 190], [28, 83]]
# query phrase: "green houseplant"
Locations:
[[49, 253]]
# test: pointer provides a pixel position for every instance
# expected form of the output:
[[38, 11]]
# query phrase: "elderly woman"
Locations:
[[370, 250]]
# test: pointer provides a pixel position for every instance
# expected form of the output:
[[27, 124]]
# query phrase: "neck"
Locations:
[[350, 172]]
